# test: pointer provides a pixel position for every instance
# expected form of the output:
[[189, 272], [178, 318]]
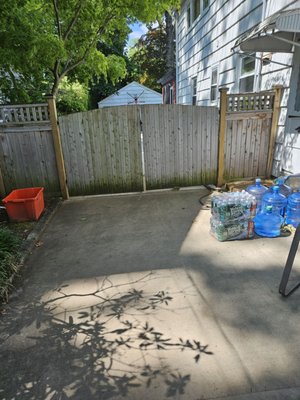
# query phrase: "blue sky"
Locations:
[[138, 29]]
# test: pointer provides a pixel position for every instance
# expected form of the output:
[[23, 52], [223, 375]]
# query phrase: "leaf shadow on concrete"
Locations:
[[97, 344]]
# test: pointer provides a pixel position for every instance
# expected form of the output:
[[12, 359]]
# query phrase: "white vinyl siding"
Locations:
[[209, 41]]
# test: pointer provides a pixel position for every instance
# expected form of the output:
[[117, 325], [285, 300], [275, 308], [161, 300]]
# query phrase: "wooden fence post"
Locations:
[[222, 131], [274, 126], [58, 148]]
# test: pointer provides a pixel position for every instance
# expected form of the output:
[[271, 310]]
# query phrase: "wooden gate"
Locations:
[[180, 145], [248, 124], [103, 150]]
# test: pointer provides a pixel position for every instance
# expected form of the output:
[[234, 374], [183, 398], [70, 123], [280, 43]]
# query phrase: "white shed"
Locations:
[[133, 93]]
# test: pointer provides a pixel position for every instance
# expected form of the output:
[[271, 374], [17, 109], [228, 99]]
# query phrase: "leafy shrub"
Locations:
[[72, 97], [9, 244], [8, 241]]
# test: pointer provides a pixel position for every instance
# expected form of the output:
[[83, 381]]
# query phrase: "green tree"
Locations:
[[154, 53], [101, 87], [149, 54], [43, 41], [72, 97]]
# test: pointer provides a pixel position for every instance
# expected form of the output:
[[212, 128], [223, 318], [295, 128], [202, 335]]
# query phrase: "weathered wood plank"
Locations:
[[243, 146], [246, 171], [248, 115], [257, 146], [195, 148]]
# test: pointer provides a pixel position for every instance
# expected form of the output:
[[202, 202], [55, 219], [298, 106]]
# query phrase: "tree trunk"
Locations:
[[55, 86], [170, 30]]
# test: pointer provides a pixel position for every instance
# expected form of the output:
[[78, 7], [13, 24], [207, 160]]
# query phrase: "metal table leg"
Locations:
[[289, 265]]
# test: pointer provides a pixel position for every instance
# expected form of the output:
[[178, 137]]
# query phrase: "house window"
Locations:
[[214, 85], [168, 94], [196, 9], [246, 83], [205, 4], [171, 94], [297, 99], [188, 16], [194, 91]]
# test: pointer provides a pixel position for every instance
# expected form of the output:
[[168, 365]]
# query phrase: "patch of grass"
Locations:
[[9, 245]]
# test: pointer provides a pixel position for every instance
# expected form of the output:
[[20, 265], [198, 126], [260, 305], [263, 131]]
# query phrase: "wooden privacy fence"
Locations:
[[103, 149], [247, 130], [27, 156], [138, 147]]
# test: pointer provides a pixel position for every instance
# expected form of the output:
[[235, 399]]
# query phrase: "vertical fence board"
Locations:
[[257, 146], [209, 150], [189, 147]]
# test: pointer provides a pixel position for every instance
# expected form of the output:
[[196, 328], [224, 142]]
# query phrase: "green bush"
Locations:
[[8, 241], [72, 97]]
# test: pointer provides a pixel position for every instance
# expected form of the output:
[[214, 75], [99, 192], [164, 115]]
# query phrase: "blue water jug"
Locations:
[[267, 223], [257, 190], [283, 188], [293, 209], [276, 200]]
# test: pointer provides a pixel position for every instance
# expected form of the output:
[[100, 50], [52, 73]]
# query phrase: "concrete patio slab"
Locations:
[[131, 297]]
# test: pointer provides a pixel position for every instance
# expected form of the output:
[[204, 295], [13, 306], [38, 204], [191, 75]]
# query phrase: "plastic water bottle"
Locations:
[[283, 189], [293, 209], [268, 223], [257, 190], [276, 200], [232, 216]]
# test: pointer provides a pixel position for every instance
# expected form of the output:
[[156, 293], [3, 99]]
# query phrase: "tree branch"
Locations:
[[57, 18], [73, 20], [67, 67], [12, 77], [55, 69]]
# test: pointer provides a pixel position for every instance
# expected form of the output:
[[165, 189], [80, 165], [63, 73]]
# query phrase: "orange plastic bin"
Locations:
[[25, 204]]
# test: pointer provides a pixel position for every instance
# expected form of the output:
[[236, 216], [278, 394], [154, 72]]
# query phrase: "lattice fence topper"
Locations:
[[24, 113], [250, 101]]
